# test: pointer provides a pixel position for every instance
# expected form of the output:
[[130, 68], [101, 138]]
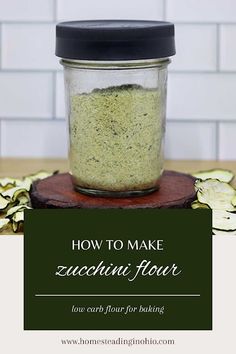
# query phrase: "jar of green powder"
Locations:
[[115, 84]]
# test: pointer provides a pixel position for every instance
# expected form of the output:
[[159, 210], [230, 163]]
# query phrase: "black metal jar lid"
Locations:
[[106, 40]]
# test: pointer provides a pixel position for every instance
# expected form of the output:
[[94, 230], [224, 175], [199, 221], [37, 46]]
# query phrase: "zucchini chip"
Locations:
[[40, 175], [197, 205], [4, 223], [223, 233], [233, 201], [17, 221], [24, 199], [26, 184], [223, 220], [14, 193], [18, 216], [17, 226], [4, 203], [9, 182], [12, 211], [216, 194], [222, 175], [15, 198]]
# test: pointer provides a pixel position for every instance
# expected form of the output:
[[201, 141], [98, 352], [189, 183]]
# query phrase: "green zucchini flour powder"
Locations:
[[116, 138]]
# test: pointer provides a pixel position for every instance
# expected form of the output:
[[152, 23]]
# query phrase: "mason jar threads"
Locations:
[[115, 85]]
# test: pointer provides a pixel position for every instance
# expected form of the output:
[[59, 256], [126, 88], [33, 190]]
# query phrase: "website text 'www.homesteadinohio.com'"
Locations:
[[118, 341]]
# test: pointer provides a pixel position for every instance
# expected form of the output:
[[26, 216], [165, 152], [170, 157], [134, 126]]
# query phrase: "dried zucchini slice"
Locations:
[[4, 223], [4, 203], [197, 205], [23, 199], [9, 182], [233, 201], [17, 226], [11, 212], [223, 233], [18, 221], [14, 198], [223, 220], [8, 186], [216, 194], [3, 189], [18, 216], [40, 175], [26, 184], [220, 174], [13, 193], [19, 194]]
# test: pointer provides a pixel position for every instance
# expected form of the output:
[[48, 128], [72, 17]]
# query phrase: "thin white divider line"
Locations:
[[118, 295]]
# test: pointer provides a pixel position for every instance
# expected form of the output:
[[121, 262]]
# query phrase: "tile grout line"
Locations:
[[200, 120], [218, 45], [203, 23], [174, 71], [33, 120], [164, 9], [217, 140], [31, 22], [54, 21], [54, 96], [194, 72], [169, 120], [203, 72], [55, 10], [31, 71], [1, 138], [1, 46]]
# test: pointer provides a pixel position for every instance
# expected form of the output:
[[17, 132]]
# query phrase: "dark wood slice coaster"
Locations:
[[176, 191]]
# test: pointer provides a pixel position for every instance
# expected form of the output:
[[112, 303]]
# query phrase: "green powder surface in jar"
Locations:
[[116, 138]]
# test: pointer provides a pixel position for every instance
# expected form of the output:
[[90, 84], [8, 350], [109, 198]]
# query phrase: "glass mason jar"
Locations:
[[115, 85]]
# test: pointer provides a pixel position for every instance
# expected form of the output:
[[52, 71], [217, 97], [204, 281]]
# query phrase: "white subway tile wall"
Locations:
[[201, 10], [228, 47], [202, 96], [28, 46], [227, 137], [27, 10], [195, 140], [25, 95], [39, 138], [60, 98], [101, 9], [201, 114], [196, 48]]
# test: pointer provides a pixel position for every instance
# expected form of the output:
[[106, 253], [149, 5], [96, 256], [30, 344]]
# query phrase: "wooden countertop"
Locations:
[[21, 167]]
